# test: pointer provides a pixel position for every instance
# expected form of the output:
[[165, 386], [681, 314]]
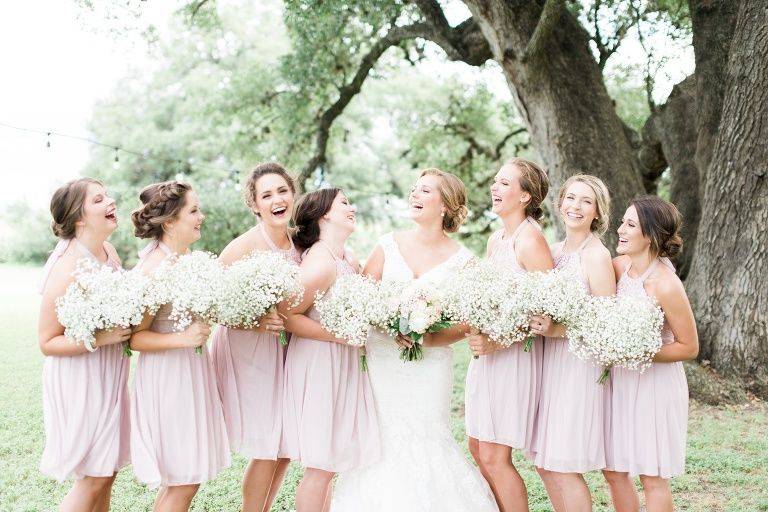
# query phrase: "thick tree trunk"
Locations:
[[728, 275], [560, 93], [669, 140]]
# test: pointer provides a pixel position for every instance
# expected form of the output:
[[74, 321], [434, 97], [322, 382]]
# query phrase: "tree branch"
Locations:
[[348, 91], [550, 16]]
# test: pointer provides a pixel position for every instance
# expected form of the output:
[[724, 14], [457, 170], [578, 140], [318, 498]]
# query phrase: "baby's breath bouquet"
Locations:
[[618, 331], [558, 294], [485, 298], [100, 298], [191, 284], [255, 285], [353, 305], [415, 310]]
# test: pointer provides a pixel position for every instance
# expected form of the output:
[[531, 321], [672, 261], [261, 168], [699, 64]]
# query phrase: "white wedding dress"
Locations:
[[422, 468]]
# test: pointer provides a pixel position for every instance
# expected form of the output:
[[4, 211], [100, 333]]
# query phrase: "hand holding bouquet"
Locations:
[[254, 286], [414, 311]]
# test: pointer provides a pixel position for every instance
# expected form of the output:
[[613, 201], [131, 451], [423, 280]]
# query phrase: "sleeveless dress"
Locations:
[[178, 436], [502, 388], [649, 411], [422, 469], [249, 374], [85, 405], [570, 425], [329, 418]]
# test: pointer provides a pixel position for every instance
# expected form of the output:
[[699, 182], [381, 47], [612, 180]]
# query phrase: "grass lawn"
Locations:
[[727, 467]]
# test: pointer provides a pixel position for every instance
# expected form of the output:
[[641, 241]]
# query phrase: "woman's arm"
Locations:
[[374, 266], [145, 340], [317, 274], [673, 300]]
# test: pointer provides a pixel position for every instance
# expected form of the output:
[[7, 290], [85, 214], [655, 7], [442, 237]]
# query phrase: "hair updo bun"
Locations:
[[67, 205], [161, 202], [306, 217], [263, 169], [534, 180], [454, 197], [660, 221]]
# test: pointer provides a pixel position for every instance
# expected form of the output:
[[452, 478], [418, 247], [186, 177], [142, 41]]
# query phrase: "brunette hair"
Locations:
[[67, 205], [602, 197], [660, 221], [309, 210], [161, 202], [454, 197], [263, 169], [533, 179]]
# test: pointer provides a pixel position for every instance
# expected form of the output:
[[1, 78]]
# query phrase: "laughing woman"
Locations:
[[329, 417], [502, 387], [649, 411], [569, 436], [85, 398], [249, 362], [178, 437]]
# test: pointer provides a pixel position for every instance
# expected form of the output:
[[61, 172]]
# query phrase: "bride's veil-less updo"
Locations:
[[454, 197], [306, 217]]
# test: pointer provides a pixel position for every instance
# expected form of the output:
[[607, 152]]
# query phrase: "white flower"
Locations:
[[100, 298]]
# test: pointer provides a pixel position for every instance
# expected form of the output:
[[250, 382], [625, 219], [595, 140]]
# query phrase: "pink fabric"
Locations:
[[502, 388], [58, 252]]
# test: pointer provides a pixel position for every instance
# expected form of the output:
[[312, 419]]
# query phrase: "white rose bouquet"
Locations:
[[414, 311], [353, 305], [192, 284], [255, 285], [100, 298], [618, 331]]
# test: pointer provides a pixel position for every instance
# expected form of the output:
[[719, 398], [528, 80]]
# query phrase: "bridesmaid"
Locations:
[[329, 416], [569, 432], [649, 411], [502, 387], [178, 436], [85, 398], [249, 363]]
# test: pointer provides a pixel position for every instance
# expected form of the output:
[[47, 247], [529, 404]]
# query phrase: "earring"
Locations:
[[442, 214]]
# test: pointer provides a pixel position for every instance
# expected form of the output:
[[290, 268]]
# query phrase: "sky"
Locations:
[[56, 66]]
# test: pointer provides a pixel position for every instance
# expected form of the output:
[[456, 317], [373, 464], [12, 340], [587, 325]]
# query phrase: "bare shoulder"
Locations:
[[62, 274], [620, 264], [318, 258], [595, 253], [153, 260], [531, 240], [665, 285], [244, 244], [112, 252]]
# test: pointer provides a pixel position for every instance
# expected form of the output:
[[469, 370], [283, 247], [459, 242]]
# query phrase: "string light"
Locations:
[[186, 165]]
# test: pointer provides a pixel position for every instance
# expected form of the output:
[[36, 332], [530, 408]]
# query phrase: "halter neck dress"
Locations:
[[249, 370], [85, 403], [178, 436], [649, 411], [502, 388], [329, 416], [570, 423]]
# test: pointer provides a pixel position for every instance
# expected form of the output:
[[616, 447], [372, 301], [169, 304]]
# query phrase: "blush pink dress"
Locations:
[[178, 436], [570, 424], [649, 411], [502, 388], [329, 415], [85, 404], [249, 373]]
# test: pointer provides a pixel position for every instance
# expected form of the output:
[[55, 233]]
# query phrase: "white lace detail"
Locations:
[[422, 468]]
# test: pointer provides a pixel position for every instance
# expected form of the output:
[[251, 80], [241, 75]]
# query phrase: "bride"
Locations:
[[422, 468]]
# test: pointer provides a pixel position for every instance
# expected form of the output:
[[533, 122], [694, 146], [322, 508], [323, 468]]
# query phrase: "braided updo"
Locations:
[[161, 202]]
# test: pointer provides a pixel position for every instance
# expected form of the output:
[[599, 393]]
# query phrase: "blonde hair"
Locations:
[[534, 180], [454, 197], [602, 197]]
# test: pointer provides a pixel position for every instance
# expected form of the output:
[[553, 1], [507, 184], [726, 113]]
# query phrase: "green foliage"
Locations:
[[28, 237]]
